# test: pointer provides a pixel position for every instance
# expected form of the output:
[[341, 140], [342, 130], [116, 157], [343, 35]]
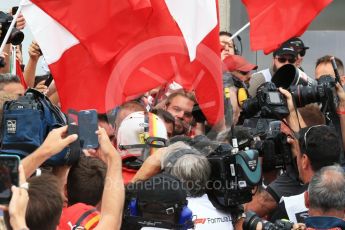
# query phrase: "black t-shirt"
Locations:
[[287, 184]]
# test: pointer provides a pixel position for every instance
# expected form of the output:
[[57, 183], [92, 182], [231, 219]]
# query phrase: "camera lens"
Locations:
[[251, 221], [16, 37], [304, 95]]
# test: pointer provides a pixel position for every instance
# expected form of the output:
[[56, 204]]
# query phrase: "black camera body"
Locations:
[[233, 176], [269, 101], [273, 147], [16, 36], [324, 92]]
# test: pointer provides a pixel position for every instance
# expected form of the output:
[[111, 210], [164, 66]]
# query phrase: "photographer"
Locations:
[[193, 169], [266, 200], [319, 147]]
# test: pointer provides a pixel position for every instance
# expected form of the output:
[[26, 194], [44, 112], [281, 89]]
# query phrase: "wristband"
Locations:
[[341, 112]]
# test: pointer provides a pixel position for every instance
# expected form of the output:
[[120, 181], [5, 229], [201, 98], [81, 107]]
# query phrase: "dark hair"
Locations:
[[45, 203], [312, 115], [7, 78], [222, 33], [85, 181], [322, 146], [102, 117], [327, 59], [126, 109]]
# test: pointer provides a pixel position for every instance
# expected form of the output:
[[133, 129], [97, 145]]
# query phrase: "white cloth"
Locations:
[[205, 216], [295, 207], [267, 74]]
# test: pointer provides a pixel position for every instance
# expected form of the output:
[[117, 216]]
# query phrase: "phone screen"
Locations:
[[8, 176], [14, 10], [88, 125]]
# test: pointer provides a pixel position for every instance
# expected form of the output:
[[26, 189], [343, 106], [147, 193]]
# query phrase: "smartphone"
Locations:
[[49, 80], [8, 176], [88, 125], [14, 10]]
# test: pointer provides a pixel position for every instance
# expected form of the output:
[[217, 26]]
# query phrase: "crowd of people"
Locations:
[[152, 168]]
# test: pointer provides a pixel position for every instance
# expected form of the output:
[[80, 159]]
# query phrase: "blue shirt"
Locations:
[[324, 222]]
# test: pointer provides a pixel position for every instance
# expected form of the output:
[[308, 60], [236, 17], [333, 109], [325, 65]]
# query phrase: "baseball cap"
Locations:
[[79, 215], [297, 44], [137, 129], [286, 48], [239, 63]]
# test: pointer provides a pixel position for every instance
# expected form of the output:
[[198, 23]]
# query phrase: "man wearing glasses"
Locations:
[[286, 54]]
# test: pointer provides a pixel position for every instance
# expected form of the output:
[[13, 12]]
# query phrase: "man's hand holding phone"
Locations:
[[57, 140], [19, 201]]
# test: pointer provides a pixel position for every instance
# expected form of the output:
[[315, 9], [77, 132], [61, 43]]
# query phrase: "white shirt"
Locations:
[[205, 216]]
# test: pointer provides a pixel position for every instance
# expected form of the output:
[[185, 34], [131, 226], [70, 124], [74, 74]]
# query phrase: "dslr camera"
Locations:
[[268, 101], [324, 92], [251, 221], [16, 36], [233, 176], [306, 90]]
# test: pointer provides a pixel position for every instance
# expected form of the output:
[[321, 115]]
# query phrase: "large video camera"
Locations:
[[268, 101], [272, 145], [233, 176], [16, 36], [251, 221]]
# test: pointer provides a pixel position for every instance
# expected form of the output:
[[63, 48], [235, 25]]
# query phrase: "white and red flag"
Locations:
[[102, 53]]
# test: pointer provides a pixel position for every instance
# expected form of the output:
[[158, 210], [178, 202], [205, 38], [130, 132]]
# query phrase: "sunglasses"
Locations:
[[302, 52], [283, 60]]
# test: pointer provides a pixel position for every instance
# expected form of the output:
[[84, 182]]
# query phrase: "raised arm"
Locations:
[[53, 144]]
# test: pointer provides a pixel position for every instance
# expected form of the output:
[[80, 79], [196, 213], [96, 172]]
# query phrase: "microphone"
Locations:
[[255, 82], [336, 72]]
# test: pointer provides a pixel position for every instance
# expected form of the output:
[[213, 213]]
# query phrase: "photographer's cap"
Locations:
[[239, 63], [285, 49], [297, 44]]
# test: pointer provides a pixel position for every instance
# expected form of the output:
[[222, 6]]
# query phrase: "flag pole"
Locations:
[[240, 30], [10, 28]]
